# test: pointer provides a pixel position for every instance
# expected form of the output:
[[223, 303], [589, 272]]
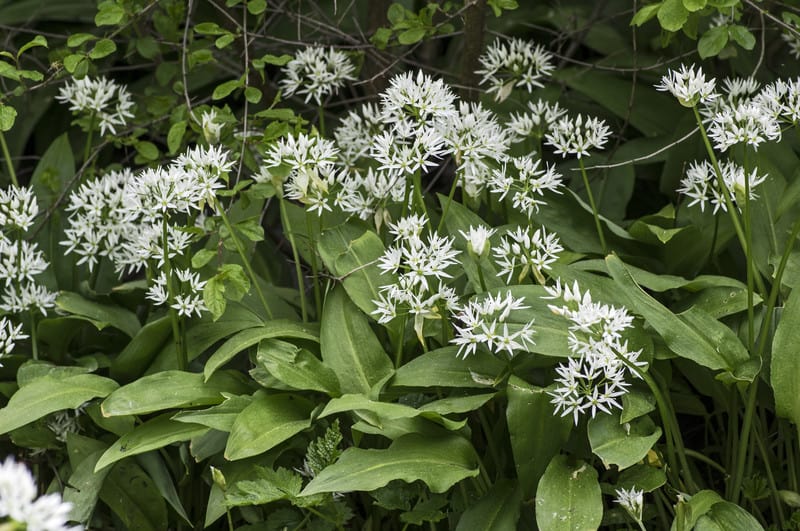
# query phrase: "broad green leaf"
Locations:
[[642, 477], [102, 48], [131, 494], [349, 346], [48, 395], [645, 13], [156, 468], [252, 336], [353, 402], [411, 36], [296, 367], [568, 497], [742, 36], [785, 363], [672, 15], [350, 252], [175, 137], [109, 14], [171, 389], [694, 5], [100, 315], [133, 360], [440, 463], [265, 423], [8, 116], [498, 510], [84, 485], [38, 40], [151, 435], [693, 336], [443, 368], [622, 444], [457, 404], [691, 508], [712, 42], [529, 415], [224, 89], [220, 417], [724, 516]]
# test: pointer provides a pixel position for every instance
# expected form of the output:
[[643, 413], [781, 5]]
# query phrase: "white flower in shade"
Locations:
[[478, 239], [301, 152], [688, 85], [99, 218], [107, 102], [702, 186], [312, 187], [477, 143], [576, 136], [527, 250], [514, 63], [420, 265], [595, 378], [414, 103], [526, 181], [485, 321], [9, 334], [792, 39], [632, 501], [18, 501], [188, 298], [536, 122], [356, 131], [18, 208], [407, 155], [366, 194], [146, 245], [746, 122], [781, 99], [27, 296], [20, 260], [212, 128], [317, 73]]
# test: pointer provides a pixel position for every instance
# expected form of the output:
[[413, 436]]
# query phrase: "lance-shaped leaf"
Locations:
[[568, 496], [101, 315], [349, 345], [47, 395], [443, 368], [439, 462], [785, 364], [296, 367]]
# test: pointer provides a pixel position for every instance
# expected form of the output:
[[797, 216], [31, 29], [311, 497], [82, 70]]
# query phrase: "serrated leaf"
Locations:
[[694, 5], [439, 462], [264, 485]]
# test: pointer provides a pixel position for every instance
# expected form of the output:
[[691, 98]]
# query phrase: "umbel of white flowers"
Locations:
[[26, 511]]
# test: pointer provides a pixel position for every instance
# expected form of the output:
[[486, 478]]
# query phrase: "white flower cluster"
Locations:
[[19, 503], [536, 122], [101, 99], [421, 266], [485, 322], [9, 334], [595, 378], [188, 301], [478, 239], [791, 37], [576, 135], [515, 63], [531, 250], [702, 186], [316, 72], [20, 260], [632, 500], [688, 85], [527, 187]]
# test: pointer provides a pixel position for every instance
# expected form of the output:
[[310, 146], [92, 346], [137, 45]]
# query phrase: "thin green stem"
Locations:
[[34, 338], [707, 460], [487, 431], [773, 487], [417, 191], [449, 200], [301, 287], [480, 275], [246, 260], [87, 149], [595, 213], [737, 226], [748, 235], [744, 436], [312, 244], [180, 348], [398, 349], [7, 156]]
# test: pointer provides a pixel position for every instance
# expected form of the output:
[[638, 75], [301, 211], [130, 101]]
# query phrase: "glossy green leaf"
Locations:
[[252, 336], [785, 363], [296, 367], [133, 360], [439, 462], [220, 417], [712, 42], [693, 336], [568, 497], [265, 423], [48, 395], [8, 116], [156, 468], [171, 389], [621, 444], [350, 251], [100, 315], [349, 346], [724, 516], [131, 494], [530, 414], [151, 435], [498, 510], [443, 368], [672, 15]]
